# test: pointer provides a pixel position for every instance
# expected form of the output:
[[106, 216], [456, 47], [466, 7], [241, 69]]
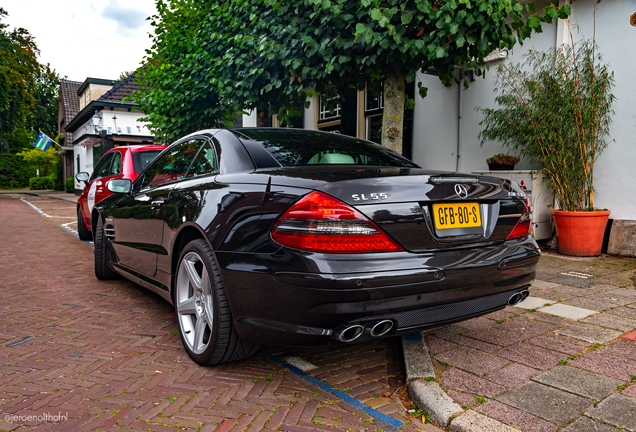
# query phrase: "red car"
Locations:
[[121, 162]]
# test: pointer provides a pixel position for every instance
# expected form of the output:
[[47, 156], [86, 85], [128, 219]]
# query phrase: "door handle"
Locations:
[[154, 204], [99, 191]]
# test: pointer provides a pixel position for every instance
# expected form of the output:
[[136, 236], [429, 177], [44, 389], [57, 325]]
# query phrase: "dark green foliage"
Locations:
[[43, 115], [556, 110], [70, 185], [58, 175], [14, 172], [18, 71], [41, 183], [503, 159], [211, 60], [28, 102]]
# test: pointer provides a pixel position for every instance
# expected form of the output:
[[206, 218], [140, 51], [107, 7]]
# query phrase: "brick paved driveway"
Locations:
[[106, 353]]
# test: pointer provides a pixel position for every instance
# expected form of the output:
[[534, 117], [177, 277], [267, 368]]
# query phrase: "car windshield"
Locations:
[[294, 147], [142, 159]]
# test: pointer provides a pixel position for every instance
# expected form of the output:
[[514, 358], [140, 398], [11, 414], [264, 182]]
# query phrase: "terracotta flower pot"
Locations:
[[580, 233]]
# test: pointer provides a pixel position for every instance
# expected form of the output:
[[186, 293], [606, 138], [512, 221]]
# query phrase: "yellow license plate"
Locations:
[[460, 215]]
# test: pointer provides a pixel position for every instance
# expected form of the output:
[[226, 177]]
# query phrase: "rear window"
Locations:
[[294, 147], [142, 159]]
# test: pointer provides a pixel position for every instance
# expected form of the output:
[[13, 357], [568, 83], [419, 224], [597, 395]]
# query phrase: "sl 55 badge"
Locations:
[[372, 196]]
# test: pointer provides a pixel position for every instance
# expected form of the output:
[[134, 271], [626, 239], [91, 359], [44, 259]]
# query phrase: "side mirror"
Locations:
[[82, 177], [120, 186]]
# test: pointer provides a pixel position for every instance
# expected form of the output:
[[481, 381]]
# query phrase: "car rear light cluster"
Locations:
[[322, 223], [524, 224]]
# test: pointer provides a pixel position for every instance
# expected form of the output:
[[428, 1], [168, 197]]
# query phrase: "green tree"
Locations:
[[43, 115], [19, 69], [211, 60], [14, 171], [42, 161]]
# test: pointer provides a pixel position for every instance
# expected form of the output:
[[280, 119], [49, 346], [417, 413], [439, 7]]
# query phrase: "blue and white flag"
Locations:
[[43, 142]]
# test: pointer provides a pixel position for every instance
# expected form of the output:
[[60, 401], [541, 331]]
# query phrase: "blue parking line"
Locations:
[[33, 207], [330, 389], [87, 242]]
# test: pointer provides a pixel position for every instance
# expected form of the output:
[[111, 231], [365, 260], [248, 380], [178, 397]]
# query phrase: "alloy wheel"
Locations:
[[194, 303]]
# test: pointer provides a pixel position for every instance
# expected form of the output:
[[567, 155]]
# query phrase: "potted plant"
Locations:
[[502, 162], [555, 108]]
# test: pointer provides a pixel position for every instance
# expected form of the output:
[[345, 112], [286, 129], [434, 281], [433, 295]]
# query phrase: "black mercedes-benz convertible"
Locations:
[[295, 237]]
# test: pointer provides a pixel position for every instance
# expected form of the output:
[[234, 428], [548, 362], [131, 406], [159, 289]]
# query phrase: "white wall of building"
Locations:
[[614, 174], [122, 122]]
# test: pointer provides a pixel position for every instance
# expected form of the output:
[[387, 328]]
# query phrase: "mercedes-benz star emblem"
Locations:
[[461, 191]]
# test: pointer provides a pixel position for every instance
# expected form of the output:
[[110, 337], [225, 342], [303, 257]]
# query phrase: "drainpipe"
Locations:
[[459, 119]]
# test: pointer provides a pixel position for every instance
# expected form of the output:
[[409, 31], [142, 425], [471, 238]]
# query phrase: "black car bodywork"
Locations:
[[286, 296]]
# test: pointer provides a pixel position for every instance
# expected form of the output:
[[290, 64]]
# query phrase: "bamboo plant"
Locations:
[[555, 109]]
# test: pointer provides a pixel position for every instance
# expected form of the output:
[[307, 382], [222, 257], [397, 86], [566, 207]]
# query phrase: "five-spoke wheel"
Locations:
[[203, 311]]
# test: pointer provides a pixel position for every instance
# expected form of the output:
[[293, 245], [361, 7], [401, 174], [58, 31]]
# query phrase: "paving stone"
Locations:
[[512, 375], [457, 379], [526, 327], [631, 336], [417, 363], [476, 323], [532, 355], [540, 316], [499, 315], [630, 391], [495, 336], [437, 345], [600, 301], [569, 312], [617, 410], [446, 331], [472, 421], [550, 404], [552, 294], [471, 360], [624, 292], [463, 398], [607, 365], [533, 303], [517, 418], [474, 343], [621, 348], [560, 343], [584, 424], [623, 311], [541, 284], [378, 402], [588, 332], [612, 321], [580, 382], [566, 280]]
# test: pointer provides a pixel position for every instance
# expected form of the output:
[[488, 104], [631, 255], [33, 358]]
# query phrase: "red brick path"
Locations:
[[106, 353]]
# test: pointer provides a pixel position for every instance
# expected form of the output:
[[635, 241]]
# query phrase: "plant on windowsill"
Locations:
[[502, 162], [555, 109]]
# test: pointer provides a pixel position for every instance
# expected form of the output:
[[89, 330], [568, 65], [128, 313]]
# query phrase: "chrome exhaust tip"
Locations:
[[526, 294], [516, 298], [348, 333], [378, 328]]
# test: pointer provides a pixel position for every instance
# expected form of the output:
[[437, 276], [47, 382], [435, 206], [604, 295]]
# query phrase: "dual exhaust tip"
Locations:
[[351, 332], [518, 297]]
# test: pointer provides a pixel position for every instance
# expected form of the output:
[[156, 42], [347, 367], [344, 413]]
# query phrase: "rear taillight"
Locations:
[[524, 224], [322, 223]]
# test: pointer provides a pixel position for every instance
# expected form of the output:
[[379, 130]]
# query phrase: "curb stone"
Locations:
[[429, 396], [472, 421]]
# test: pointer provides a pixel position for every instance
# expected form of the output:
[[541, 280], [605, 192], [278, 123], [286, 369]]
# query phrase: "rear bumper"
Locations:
[[298, 298]]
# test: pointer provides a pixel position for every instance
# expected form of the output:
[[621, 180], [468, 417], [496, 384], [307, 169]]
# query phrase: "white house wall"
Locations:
[[124, 120], [614, 174]]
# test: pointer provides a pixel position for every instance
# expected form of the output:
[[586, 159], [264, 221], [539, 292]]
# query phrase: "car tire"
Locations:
[[103, 260], [203, 310], [82, 230]]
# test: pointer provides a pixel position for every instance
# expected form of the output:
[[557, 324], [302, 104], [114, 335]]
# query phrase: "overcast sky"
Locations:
[[86, 38]]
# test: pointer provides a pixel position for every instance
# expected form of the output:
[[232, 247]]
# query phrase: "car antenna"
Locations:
[[267, 195]]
